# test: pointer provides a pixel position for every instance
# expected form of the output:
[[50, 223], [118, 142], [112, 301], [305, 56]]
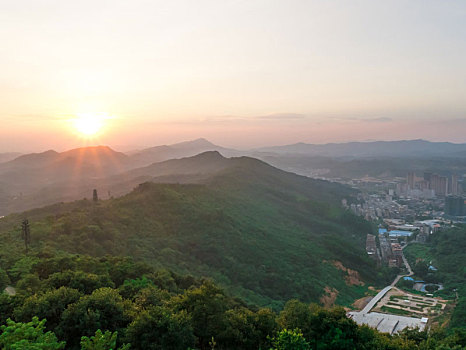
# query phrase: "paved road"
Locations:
[[410, 272], [386, 322], [384, 291], [375, 300], [407, 264]]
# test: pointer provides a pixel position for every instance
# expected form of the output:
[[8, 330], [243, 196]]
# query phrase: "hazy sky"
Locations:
[[240, 73]]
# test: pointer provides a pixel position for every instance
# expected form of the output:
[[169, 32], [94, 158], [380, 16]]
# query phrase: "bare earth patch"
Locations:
[[352, 278], [362, 302], [329, 297]]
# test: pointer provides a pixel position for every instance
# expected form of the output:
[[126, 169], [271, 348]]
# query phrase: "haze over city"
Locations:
[[240, 73]]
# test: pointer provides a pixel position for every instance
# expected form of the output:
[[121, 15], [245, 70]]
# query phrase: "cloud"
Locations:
[[377, 120], [283, 116], [361, 119]]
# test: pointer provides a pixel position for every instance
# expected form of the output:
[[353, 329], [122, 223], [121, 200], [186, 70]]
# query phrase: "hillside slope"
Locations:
[[267, 235]]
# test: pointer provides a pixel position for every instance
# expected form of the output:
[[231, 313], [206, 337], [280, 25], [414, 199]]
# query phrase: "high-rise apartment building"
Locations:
[[454, 185], [411, 180], [439, 184], [454, 206]]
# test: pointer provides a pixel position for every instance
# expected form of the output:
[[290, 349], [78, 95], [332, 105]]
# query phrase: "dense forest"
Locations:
[[81, 302]]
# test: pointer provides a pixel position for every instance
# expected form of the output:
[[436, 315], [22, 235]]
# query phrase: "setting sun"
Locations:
[[89, 124]]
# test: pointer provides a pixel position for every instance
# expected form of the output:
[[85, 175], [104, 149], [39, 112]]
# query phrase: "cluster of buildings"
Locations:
[[377, 206], [389, 251], [430, 185], [432, 196]]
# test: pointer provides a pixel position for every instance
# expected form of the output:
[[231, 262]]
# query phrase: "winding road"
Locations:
[[410, 271], [384, 291]]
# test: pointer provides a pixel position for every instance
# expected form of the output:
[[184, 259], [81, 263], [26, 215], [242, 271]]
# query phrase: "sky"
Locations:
[[239, 73]]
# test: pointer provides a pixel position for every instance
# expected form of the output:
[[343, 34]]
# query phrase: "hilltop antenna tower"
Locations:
[[26, 233]]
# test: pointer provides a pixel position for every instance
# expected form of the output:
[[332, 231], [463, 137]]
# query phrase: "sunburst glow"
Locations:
[[89, 124]]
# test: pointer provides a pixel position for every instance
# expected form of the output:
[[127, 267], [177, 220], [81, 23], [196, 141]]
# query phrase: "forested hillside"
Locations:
[[79, 302], [266, 235]]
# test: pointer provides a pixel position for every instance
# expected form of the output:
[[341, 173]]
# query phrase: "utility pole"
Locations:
[[26, 234]]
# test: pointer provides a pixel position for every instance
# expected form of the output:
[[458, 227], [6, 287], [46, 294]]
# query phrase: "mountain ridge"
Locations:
[[398, 148], [266, 234], [43, 178]]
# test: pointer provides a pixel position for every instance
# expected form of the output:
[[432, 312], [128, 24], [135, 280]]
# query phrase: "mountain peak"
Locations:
[[200, 142], [93, 151], [212, 155]]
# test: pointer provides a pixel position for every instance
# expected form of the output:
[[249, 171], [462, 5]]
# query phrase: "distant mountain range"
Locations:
[[381, 159], [405, 148], [5, 157], [37, 179]]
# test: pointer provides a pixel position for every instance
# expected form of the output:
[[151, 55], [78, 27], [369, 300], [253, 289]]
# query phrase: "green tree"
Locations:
[[298, 315], [421, 269], [290, 340], [28, 284], [23, 267], [83, 281], [151, 296], [206, 306], [103, 309], [49, 305], [7, 305], [131, 287], [121, 269], [102, 341], [30, 336], [4, 280], [406, 283], [246, 329], [333, 330], [160, 328]]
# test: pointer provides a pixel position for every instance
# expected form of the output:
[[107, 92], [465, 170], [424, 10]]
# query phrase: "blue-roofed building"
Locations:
[[382, 231], [407, 278], [398, 233]]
